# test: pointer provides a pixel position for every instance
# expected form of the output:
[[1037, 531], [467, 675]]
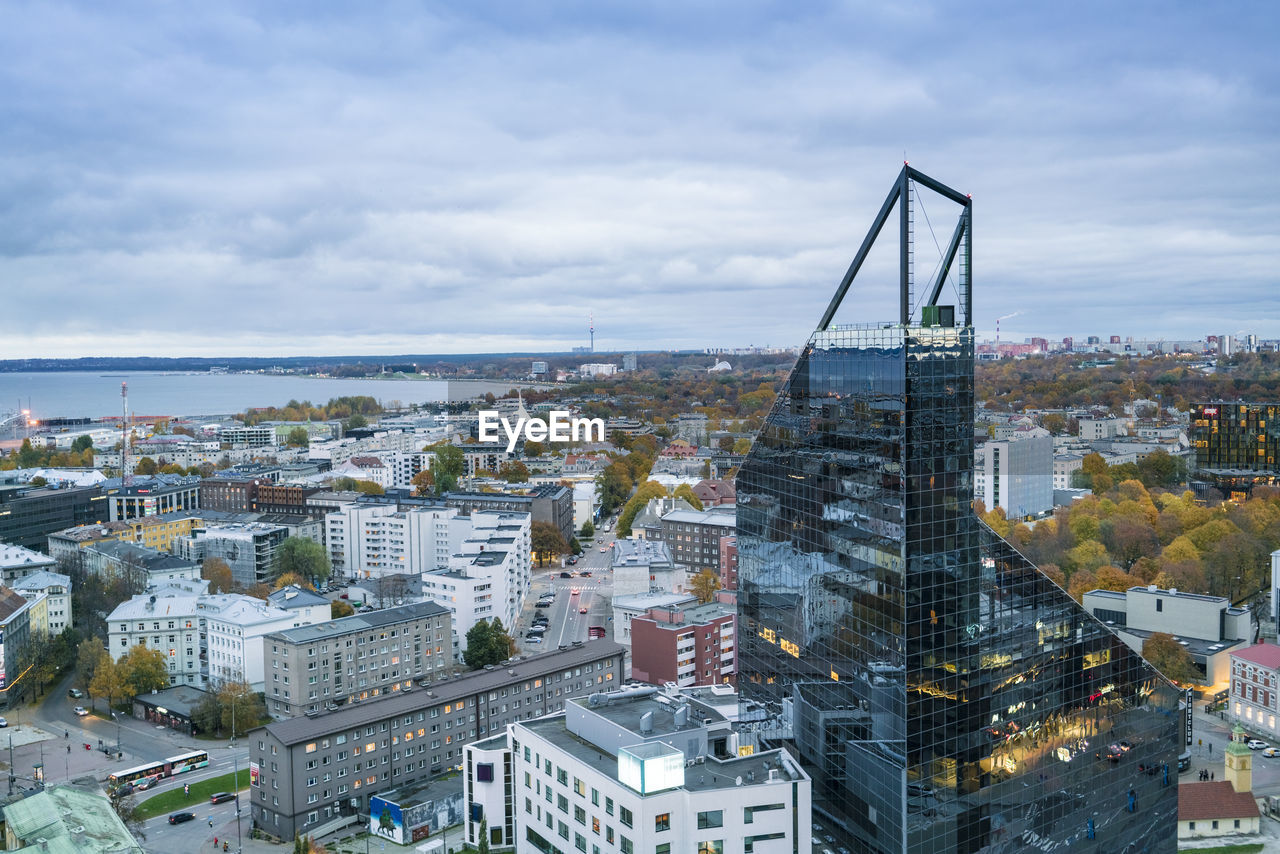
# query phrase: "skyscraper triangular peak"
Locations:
[[944, 694], [919, 301]]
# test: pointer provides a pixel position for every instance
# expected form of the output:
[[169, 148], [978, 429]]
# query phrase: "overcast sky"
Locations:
[[309, 178]]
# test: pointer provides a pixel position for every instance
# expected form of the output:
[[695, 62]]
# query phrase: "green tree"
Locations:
[[369, 487], [242, 709], [303, 557], [547, 541], [704, 585], [216, 571], [146, 466], [144, 670], [647, 491], [355, 422], [1171, 658], [534, 449], [741, 446], [448, 466], [482, 844], [339, 608], [298, 438], [1054, 422], [588, 530], [206, 717], [487, 643], [285, 579], [686, 492], [81, 444]]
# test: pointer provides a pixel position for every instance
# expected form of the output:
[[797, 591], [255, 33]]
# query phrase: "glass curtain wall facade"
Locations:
[[942, 692]]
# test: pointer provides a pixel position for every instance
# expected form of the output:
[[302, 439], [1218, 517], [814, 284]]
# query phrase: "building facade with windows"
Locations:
[[1255, 686], [317, 772], [361, 657], [56, 589], [635, 771], [902, 651], [1237, 445], [694, 536], [693, 643]]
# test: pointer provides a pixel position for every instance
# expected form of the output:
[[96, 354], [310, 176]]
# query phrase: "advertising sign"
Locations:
[[1189, 707]]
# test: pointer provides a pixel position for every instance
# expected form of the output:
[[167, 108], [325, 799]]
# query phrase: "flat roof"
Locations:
[[361, 622], [296, 730]]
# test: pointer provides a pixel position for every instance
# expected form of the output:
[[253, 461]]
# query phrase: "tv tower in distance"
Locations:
[[591, 321], [125, 479]]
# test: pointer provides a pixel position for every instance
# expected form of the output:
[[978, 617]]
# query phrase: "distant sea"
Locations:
[[74, 394]]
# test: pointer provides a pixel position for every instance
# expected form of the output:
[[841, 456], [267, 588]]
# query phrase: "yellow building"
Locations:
[[156, 532]]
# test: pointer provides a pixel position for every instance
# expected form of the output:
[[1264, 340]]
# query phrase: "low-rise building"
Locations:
[[28, 514], [66, 818], [644, 566], [635, 770], [356, 658], [55, 589], [15, 634], [1209, 627], [315, 773], [314, 607], [689, 644], [17, 563], [1255, 687]]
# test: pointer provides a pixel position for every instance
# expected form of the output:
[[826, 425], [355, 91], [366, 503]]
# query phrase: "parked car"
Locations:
[[1256, 744], [80, 711], [566, 575], [1111, 753], [180, 817], [571, 561], [1271, 753], [537, 630], [3, 722], [219, 797], [75, 693], [534, 639]]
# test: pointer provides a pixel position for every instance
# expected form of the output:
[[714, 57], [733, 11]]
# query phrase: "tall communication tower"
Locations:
[[591, 320], [124, 435]]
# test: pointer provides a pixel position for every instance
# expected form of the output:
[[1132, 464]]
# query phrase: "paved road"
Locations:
[[568, 623]]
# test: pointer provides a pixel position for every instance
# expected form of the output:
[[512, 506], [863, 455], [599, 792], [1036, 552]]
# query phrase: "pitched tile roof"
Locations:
[[1265, 654], [1210, 800]]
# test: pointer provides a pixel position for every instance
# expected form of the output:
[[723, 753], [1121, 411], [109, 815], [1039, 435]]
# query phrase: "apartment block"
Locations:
[[694, 536], [356, 658], [1015, 475], [1255, 687], [55, 588], [631, 771], [316, 773], [688, 644]]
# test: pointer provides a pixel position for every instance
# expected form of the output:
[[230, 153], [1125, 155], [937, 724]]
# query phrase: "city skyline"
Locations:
[[233, 181]]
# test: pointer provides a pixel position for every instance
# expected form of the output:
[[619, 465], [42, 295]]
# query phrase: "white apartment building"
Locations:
[[56, 588], [1092, 429], [597, 369], [375, 540], [234, 628], [1064, 465], [206, 639], [488, 576], [1015, 475], [17, 562], [634, 771], [1255, 686], [263, 436]]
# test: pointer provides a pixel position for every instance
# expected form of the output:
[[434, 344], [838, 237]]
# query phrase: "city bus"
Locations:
[[179, 764]]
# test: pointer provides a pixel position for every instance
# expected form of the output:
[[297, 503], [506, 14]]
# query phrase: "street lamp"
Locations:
[[117, 720]]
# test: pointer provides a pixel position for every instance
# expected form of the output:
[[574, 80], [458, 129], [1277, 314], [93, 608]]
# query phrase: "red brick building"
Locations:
[[729, 563], [693, 644]]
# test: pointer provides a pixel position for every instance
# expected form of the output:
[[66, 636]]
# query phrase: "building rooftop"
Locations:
[[1214, 800], [1181, 594], [296, 730], [360, 622], [11, 556], [293, 596], [71, 819], [645, 601], [1264, 654], [181, 699], [42, 579], [703, 517], [641, 553], [11, 602]]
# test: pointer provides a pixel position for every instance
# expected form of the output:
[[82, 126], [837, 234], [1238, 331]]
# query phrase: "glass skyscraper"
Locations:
[[943, 693]]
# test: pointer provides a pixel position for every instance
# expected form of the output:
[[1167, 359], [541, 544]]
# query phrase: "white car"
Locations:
[[1255, 744], [1271, 753], [80, 711]]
